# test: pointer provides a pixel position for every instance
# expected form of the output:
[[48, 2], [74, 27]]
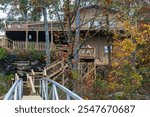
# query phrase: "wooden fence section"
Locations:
[[22, 45], [8, 44]]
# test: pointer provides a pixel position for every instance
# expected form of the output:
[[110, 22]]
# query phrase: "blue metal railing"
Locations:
[[16, 91], [49, 91]]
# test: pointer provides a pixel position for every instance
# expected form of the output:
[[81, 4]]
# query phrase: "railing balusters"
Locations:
[[53, 93], [46, 90], [16, 91], [53, 90]]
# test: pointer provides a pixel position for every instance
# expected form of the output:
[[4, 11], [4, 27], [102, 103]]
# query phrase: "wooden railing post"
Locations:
[[33, 73], [31, 81], [44, 72], [26, 45], [16, 76]]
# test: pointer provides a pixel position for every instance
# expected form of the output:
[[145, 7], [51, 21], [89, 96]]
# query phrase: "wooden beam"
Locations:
[[26, 36], [37, 40]]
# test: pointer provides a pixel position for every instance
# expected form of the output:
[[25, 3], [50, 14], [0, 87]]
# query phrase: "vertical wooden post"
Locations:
[[26, 45], [4, 42], [33, 77], [44, 72], [37, 40]]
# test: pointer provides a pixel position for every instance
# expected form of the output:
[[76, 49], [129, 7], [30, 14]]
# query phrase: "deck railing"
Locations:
[[49, 91], [87, 53], [6, 43], [23, 45], [22, 25]]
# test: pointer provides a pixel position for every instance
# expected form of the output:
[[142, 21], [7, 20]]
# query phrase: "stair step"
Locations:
[[32, 97]]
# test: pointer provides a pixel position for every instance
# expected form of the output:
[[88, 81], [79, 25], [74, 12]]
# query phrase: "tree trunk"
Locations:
[[77, 36], [47, 43]]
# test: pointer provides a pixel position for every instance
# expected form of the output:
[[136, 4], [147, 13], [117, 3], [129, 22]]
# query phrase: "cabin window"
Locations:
[[30, 37], [106, 49]]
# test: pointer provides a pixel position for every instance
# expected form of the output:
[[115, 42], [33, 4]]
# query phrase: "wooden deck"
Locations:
[[11, 45]]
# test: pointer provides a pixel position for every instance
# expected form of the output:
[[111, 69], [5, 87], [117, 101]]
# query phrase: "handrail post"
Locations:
[[16, 76], [46, 90], [15, 94], [43, 90], [44, 72], [33, 73], [30, 80], [40, 86], [53, 93], [21, 88]]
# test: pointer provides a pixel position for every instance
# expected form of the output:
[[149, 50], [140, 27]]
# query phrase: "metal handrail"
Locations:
[[16, 91], [48, 92]]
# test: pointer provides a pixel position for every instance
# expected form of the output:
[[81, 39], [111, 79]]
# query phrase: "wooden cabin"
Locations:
[[25, 36]]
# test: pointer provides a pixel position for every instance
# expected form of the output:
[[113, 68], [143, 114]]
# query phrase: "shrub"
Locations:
[[3, 53]]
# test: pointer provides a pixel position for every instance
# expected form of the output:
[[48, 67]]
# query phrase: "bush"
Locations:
[[3, 53], [5, 83]]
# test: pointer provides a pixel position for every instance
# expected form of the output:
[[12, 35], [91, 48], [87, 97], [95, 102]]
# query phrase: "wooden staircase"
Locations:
[[26, 89], [53, 71], [86, 68]]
